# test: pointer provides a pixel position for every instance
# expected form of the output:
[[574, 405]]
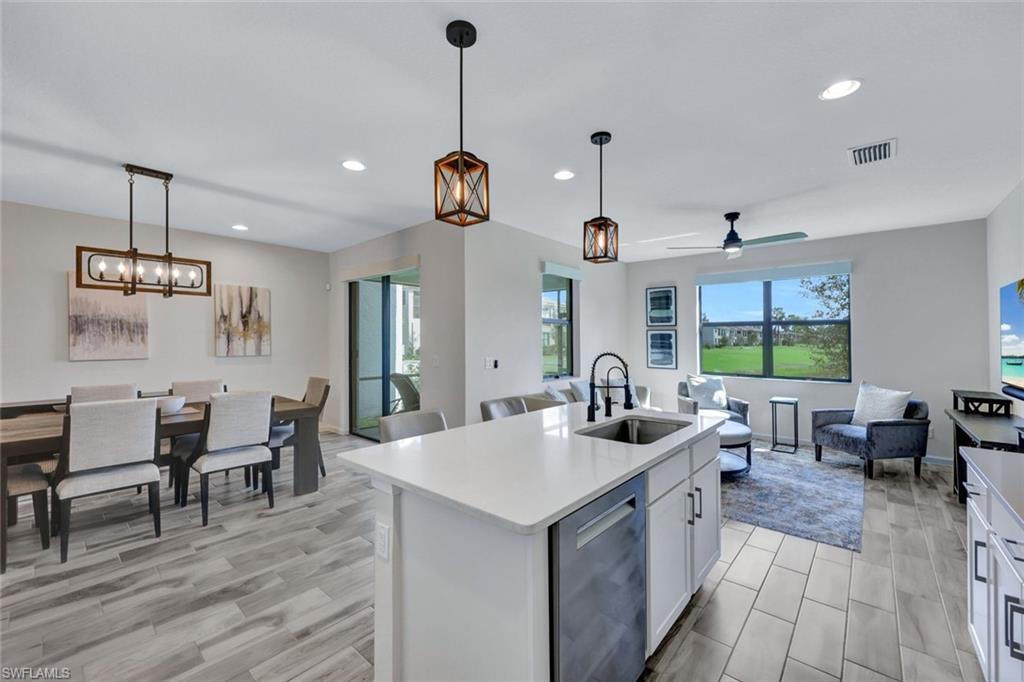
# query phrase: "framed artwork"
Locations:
[[106, 325], [241, 321], [661, 348], [661, 306]]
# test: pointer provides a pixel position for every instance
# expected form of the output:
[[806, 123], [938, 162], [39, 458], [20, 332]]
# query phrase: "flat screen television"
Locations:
[[1011, 335]]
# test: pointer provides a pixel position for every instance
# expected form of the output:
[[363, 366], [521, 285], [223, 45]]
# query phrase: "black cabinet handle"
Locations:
[[1012, 609], [982, 545], [700, 495], [693, 507]]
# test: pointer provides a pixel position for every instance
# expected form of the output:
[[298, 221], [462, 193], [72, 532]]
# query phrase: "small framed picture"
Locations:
[[661, 306], [661, 348]]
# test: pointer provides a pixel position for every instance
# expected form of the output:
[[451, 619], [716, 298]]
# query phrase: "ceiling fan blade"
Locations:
[[734, 254], [775, 239], [700, 248]]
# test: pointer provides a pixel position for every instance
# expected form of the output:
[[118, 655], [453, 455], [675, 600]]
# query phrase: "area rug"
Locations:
[[792, 493]]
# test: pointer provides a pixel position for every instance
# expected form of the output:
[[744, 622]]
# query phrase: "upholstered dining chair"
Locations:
[[89, 394], [408, 394], [283, 434], [498, 408], [108, 445], [409, 424], [25, 480], [198, 391], [236, 428]]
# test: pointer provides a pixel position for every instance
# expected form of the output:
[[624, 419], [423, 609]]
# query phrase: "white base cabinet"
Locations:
[[995, 564], [684, 538]]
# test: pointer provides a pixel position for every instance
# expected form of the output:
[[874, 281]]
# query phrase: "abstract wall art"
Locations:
[[241, 321], [106, 325]]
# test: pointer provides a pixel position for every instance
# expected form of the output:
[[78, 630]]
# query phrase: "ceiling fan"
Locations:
[[733, 245]]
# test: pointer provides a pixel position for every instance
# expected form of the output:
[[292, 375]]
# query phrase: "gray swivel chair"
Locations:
[[738, 410], [502, 407], [410, 424]]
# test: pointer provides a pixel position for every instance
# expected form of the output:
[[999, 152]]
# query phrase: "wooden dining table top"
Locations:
[[40, 433]]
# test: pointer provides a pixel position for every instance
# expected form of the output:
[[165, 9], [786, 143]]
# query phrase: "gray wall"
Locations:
[[917, 314], [38, 249]]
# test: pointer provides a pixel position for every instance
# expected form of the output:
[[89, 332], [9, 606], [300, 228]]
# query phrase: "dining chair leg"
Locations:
[[275, 458], [154, 503], [54, 512], [256, 477], [3, 539], [323, 469], [12, 511], [138, 490], [204, 496], [65, 529], [248, 476], [268, 478], [170, 474], [42, 517], [185, 472]]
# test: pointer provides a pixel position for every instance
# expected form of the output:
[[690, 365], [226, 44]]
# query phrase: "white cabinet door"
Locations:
[[707, 521], [668, 581], [1007, 611], [978, 585]]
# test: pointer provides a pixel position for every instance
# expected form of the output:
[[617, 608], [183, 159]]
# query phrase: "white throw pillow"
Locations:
[[580, 390], [709, 392], [874, 402], [556, 395]]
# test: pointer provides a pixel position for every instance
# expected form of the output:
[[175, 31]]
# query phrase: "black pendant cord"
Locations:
[[460, 102], [131, 211], [167, 216], [600, 180]]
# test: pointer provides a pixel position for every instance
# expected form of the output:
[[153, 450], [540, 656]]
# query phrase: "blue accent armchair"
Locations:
[[738, 410], [881, 439]]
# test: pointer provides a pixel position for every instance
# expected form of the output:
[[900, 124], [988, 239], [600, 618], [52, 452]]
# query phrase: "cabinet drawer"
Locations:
[[667, 475], [704, 451]]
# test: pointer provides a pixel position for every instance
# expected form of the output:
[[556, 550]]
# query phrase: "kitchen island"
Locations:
[[464, 534]]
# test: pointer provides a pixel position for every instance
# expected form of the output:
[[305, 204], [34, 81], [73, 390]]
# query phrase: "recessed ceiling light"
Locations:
[[240, 228], [564, 175], [353, 165], [840, 89]]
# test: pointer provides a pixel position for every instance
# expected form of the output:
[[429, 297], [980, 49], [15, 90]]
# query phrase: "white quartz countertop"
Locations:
[[1003, 473], [524, 472]]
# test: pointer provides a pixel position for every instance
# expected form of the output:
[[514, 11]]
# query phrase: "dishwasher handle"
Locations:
[[596, 526]]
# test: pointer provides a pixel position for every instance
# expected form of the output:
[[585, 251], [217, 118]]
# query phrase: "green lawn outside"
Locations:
[[790, 361]]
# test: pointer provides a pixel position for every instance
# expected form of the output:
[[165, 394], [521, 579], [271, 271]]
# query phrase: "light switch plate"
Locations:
[[382, 541]]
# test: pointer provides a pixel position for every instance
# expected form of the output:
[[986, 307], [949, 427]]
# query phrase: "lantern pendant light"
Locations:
[[461, 195], [601, 234]]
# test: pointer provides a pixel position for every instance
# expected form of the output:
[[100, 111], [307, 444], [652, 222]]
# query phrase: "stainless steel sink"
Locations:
[[634, 430]]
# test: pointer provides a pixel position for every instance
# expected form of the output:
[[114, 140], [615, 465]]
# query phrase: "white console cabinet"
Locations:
[[995, 561]]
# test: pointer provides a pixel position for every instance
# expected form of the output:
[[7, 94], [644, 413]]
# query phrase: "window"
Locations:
[[556, 325], [795, 328]]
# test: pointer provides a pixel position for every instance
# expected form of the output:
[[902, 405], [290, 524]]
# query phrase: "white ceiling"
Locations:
[[712, 107]]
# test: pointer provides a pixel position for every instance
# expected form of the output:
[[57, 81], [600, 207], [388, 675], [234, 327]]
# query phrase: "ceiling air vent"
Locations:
[[870, 153]]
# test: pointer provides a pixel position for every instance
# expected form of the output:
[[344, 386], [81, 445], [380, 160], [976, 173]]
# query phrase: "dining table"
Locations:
[[32, 432]]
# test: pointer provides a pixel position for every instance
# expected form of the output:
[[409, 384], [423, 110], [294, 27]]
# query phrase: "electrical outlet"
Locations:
[[382, 541], [490, 363]]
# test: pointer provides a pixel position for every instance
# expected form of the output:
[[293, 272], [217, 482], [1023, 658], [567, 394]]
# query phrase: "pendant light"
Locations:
[[136, 272], [601, 234], [461, 195]]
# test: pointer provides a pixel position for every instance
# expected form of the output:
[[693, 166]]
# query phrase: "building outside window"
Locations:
[[781, 325], [556, 326]]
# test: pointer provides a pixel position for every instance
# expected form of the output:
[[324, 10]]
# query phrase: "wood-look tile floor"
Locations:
[[287, 593], [283, 593], [778, 607]]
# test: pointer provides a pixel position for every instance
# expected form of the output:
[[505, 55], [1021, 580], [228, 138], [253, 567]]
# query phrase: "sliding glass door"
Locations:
[[384, 349]]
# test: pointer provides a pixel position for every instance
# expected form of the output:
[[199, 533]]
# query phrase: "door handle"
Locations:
[[692, 509], [982, 545], [605, 520], [1012, 608], [700, 496]]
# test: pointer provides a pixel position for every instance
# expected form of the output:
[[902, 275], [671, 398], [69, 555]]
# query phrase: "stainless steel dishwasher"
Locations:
[[599, 588]]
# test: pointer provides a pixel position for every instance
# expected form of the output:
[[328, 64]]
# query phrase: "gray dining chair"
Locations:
[[408, 394], [107, 445], [198, 391], [502, 407], [88, 394], [282, 434], [409, 424], [25, 480], [236, 429]]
